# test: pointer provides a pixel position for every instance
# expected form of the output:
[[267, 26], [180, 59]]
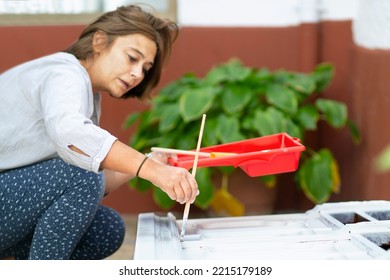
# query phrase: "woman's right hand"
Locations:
[[176, 182]]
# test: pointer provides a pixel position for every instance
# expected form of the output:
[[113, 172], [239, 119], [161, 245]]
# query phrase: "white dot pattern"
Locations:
[[51, 210]]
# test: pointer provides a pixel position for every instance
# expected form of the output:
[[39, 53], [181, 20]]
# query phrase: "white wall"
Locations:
[[243, 12], [262, 12], [371, 18], [371, 28], [49, 6]]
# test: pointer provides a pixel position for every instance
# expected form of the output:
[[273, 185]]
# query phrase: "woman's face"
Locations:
[[121, 66]]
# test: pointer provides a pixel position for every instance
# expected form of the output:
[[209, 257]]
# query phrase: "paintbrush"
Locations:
[[193, 172], [191, 153]]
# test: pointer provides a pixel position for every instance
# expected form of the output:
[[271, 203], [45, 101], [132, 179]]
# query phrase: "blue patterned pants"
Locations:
[[51, 210]]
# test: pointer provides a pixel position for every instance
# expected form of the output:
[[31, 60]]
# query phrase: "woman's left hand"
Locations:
[[161, 157]]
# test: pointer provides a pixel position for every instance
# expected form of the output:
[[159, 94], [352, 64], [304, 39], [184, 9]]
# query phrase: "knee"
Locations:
[[113, 232], [114, 226], [104, 237]]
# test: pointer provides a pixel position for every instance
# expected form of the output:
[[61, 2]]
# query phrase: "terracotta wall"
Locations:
[[297, 48], [369, 96]]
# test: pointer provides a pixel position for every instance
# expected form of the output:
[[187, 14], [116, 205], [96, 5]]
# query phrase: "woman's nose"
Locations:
[[137, 72]]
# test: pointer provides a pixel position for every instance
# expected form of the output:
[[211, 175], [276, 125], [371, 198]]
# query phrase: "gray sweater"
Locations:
[[46, 106]]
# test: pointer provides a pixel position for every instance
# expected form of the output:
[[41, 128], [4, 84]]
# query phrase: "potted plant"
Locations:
[[243, 103]]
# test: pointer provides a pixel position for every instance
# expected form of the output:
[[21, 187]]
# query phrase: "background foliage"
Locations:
[[243, 103]]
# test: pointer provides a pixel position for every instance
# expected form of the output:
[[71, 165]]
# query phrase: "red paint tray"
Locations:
[[271, 154]]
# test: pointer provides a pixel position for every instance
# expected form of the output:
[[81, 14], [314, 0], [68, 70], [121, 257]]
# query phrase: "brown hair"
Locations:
[[128, 20]]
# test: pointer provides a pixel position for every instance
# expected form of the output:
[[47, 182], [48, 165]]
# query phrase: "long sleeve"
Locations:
[[67, 111], [48, 106]]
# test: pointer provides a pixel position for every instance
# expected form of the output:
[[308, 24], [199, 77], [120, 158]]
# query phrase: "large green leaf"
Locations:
[[258, 81], [293, 129], [186, 136], [150, 117], [131, 119], [336, 113], [323, 74], [206, 188], [282, 76], [247, 123], [172, 91], [140, 184], [355, 133], [147, 130], [303, 83], [170, 117], [316, 176], [262, 74], [233, 70], [382, 162], [195, 102], [144, 119], [162, 199], [308, 117], [210, 133], [282, 97], [235, 98], [270, 121], [228, 129]]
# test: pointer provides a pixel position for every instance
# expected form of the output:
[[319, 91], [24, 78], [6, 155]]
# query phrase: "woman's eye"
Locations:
[[132, 59], [145, 70]]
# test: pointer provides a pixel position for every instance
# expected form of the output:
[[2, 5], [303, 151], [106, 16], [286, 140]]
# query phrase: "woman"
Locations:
[[56, 163]]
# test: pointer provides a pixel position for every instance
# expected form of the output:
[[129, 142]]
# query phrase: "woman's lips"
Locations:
[[125, 84]]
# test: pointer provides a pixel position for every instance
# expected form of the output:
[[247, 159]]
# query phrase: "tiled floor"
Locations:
[[126, 251]]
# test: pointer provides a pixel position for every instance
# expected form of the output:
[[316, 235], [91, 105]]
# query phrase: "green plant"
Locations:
[[382, 160], [243, 103]]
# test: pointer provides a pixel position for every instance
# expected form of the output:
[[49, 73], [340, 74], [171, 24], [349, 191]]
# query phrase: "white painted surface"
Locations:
[[371, 28], [346, 230]]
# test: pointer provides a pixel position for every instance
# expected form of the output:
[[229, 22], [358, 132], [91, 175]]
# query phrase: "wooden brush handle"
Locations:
[[191, 153]]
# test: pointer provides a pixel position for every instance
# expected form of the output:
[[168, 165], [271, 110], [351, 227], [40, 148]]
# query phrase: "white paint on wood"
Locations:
[[344, 230]]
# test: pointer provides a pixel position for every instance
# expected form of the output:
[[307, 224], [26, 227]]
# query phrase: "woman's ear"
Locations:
[[99, 41]]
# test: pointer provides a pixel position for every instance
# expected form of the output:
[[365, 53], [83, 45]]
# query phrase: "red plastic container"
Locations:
[[266, 155]]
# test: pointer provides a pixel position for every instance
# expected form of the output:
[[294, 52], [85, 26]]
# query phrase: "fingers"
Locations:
[[170, 193], [187, 190], [193, 189], [181, 186], [176, 182]]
